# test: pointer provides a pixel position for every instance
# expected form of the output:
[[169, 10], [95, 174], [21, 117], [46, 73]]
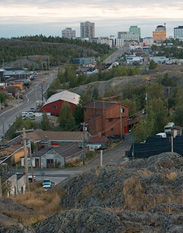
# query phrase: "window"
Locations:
[[54, 107], [110, 119]]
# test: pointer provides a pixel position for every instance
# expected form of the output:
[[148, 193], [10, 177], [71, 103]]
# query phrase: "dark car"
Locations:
[[114, 137]]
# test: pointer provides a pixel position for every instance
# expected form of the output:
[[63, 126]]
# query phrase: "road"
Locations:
[[33, 94], [116, 55], [114, 156]]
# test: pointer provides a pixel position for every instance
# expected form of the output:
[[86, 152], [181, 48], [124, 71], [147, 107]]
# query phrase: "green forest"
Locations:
[[58, 50]]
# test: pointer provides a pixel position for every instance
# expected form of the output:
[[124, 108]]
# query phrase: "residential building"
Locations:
[[16, 183], [87, 30], [106, 118], [48, 139], [135, 30], [12, 154], [54, 157], [69, 33], [160, 33], [54, 104], [178, 33]]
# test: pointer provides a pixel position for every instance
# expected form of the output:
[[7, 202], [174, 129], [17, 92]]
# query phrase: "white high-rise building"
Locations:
[[68, 33], [87, 30], [178, 33]]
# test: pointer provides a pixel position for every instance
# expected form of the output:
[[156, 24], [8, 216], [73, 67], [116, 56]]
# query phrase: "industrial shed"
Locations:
[[55, 102]]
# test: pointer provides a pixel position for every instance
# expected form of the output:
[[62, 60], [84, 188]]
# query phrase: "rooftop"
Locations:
[[100, 104], [39, 134], [65, 96]]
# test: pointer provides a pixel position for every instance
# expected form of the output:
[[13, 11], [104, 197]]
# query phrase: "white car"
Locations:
[[47, 184]]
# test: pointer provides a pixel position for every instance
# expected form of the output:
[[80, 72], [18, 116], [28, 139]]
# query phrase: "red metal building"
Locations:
[[55, 102]]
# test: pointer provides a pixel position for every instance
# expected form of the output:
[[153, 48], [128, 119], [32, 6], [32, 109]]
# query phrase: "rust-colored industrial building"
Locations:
[[106, 118]]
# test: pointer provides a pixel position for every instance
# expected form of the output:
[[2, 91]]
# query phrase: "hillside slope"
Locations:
[[138, 196], [145, 195]]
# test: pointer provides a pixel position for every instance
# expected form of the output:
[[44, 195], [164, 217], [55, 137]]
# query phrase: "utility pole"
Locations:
[[101, 158], [84, 143], [26, 163], [30, 153], [25, 155], [172, 144], [121, 123], [84, 135]]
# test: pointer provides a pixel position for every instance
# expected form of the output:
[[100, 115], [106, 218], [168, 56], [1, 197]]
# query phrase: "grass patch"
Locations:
[[40, 202], [172, 175]]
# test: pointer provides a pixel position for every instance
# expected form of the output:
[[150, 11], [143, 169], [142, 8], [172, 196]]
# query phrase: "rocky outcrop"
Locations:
[[18, 228], [137, 185], [138, 196], [82, 221]]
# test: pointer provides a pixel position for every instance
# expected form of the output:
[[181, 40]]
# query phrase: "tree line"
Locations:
[[59, 50]]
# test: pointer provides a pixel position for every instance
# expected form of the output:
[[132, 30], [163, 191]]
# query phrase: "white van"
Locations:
[[161, 135]]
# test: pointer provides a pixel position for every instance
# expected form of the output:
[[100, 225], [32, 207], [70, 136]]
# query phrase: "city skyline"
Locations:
[[20, 18]]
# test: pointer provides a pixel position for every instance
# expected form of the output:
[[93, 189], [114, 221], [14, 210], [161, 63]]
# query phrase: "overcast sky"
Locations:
[[50, 17]]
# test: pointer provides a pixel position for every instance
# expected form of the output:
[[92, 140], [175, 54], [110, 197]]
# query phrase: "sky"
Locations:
[[50, 17]]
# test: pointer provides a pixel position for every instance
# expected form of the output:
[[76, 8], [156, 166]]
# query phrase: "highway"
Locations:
[[33, 94]]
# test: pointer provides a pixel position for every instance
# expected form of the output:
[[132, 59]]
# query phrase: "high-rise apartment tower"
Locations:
[[68, 33], [87, 30]]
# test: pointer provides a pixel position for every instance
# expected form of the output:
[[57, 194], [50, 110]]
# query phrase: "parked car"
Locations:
[[114, 137], [47, 184]]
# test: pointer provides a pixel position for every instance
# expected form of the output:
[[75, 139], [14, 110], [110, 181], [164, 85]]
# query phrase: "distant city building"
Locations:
[[135, 30], [68, 33], [128, 36], [178, 33], [87, 30], [119, 43], [160, 33], [148, 41], [104, 40], [113, 39]]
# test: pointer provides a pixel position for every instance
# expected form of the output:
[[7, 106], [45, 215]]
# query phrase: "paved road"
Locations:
[[113, 157], [116, 55], [33, 94]]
